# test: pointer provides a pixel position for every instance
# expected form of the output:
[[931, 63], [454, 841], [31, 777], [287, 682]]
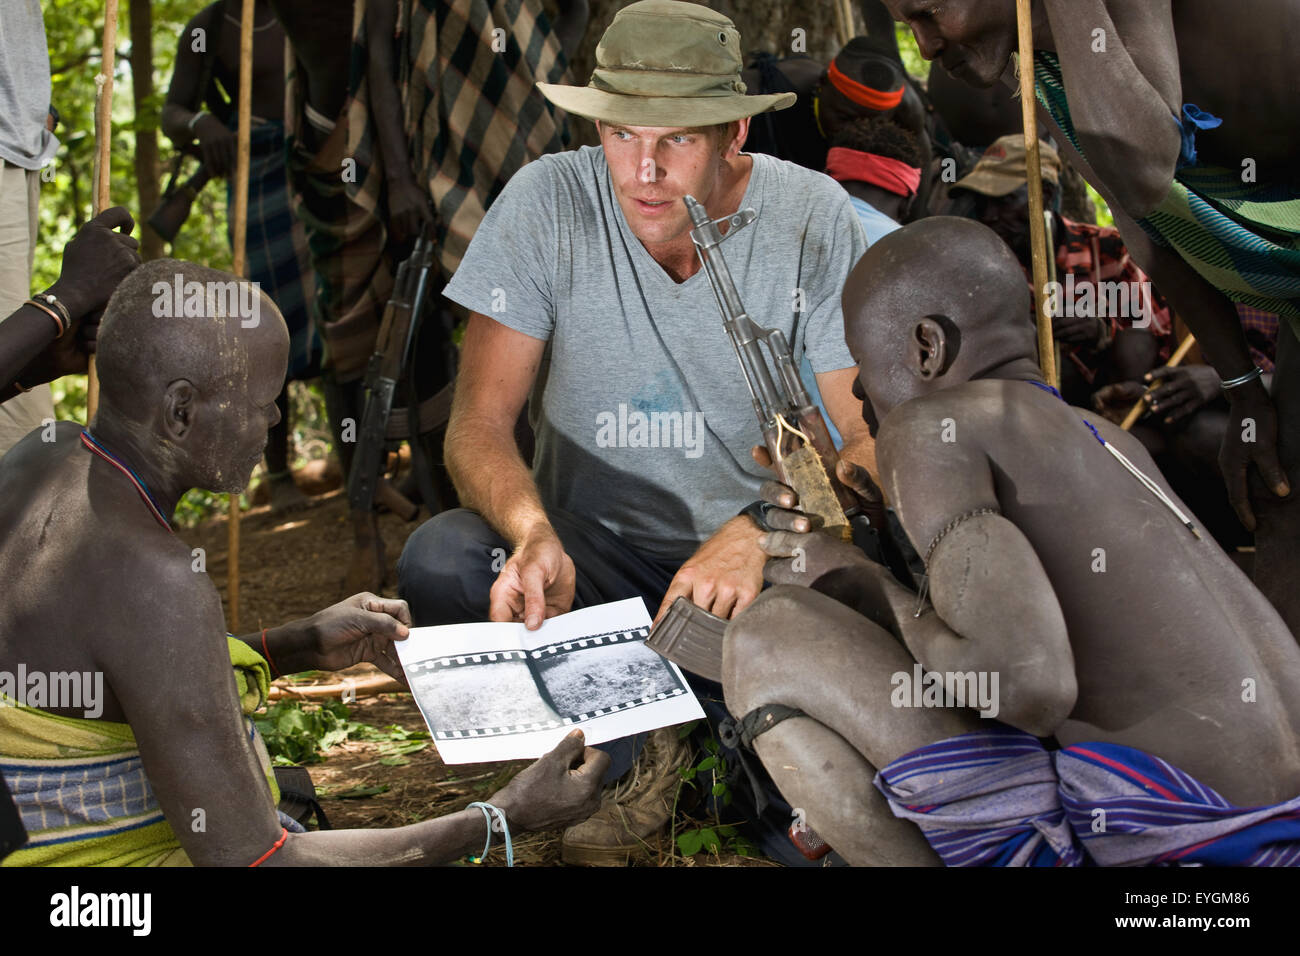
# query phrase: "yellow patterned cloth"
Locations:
[[81, 789]]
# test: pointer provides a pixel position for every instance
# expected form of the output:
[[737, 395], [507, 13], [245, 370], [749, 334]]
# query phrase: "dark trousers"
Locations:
[[450, 563]]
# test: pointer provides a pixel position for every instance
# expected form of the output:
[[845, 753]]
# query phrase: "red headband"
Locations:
[[854, 166], [877, 100]]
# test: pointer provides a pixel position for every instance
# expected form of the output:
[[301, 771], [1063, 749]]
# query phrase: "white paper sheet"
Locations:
[[500, 692]]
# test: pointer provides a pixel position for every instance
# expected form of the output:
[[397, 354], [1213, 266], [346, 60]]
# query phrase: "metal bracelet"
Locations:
[[1250, 376], [55, 301]]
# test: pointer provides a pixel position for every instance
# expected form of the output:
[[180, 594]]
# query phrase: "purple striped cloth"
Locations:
[[996, 797], [1132, 809], [987, 798]]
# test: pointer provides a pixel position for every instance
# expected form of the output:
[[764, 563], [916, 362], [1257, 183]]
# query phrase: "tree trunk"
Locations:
[[147, 172]]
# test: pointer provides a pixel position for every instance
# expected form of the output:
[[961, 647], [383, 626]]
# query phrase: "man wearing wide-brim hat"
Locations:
[[583, 271]]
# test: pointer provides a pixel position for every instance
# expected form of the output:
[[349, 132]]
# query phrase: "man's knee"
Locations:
[[447, 567], [762, 641]]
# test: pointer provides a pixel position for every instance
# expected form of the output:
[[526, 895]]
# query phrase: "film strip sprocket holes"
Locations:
[[545, 652], [595, 640]]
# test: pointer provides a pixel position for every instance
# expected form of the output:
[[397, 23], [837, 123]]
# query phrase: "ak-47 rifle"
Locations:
[[793, 431], [793, 428], [397, 334]]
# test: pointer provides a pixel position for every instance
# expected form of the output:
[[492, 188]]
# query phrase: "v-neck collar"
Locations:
[[646, 263]]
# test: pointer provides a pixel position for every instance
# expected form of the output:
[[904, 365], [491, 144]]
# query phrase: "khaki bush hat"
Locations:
[[666, 63], [1001, 170]]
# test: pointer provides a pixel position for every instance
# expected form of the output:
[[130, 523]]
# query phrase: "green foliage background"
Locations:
[[74, 32]]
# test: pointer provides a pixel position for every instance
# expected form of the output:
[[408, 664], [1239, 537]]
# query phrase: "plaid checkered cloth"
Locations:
[[1261, 335], [276, 247], [1243, 238], [472, 113], [353, 276]]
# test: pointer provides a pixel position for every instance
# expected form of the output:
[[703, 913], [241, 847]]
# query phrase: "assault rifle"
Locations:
[[397, 332], [793, 431]]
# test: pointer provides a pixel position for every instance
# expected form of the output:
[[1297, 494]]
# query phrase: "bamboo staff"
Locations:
[[241, 234], [103, 155], [843, 20], [1140, 405], [1034, 174]]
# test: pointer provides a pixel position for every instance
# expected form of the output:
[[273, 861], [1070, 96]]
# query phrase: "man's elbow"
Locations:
[[1142, 174], [1039, 699]]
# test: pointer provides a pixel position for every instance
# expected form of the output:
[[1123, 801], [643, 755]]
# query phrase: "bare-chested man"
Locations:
[[1135, 92], [169, 769], [1081, 605]]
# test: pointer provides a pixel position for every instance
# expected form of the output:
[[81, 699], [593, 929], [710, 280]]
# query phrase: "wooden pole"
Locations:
[[103, 158], [1175, 360], [239, 266], [843, 20], [1034, 174]]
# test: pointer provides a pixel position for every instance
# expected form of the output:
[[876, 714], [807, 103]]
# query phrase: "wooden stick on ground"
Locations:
[[239, 266], [103, 154], [1140, 405], [1034, 173]]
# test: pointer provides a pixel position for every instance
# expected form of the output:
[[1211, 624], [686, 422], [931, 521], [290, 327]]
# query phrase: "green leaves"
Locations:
[[296, 735]]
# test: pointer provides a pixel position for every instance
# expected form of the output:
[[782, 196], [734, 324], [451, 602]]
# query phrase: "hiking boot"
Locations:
[[633, 812]]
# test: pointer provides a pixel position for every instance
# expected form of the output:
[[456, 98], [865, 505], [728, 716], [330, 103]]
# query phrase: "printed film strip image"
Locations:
[[486, 694], [613, 672]]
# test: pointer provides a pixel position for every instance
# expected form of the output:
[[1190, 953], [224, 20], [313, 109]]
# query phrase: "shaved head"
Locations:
[[189, 360], [934, 304]]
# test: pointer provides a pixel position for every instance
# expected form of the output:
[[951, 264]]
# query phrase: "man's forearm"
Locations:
[[492, 479], [23, 336], [175, 122], [289, 648], [384, 99], [1124, 124]]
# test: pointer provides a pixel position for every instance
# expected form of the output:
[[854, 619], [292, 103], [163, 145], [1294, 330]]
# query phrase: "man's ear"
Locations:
[[738, 141], [180, 402], [927, 349]]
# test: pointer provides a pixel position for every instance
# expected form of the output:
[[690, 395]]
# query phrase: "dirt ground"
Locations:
[[292, 566]]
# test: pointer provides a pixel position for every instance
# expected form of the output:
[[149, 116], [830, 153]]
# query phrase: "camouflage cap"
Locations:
[[666, 63], [1001, 170]]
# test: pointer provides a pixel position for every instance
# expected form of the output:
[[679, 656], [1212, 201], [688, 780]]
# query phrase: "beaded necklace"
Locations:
[[94, 446]]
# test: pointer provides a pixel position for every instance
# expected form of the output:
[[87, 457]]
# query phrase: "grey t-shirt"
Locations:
[[644, 421], [24, 86]]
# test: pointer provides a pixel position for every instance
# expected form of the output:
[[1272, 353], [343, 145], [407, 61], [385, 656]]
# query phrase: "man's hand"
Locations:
[[408, 208], [535, 584], [725, 575], [99, 257], [561, 788], [94, 262], [216, 145], [361, 629], [1183, 391], [1251, 437], [1086, 331], [804, 558], [783, 517], [1114, 401]]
